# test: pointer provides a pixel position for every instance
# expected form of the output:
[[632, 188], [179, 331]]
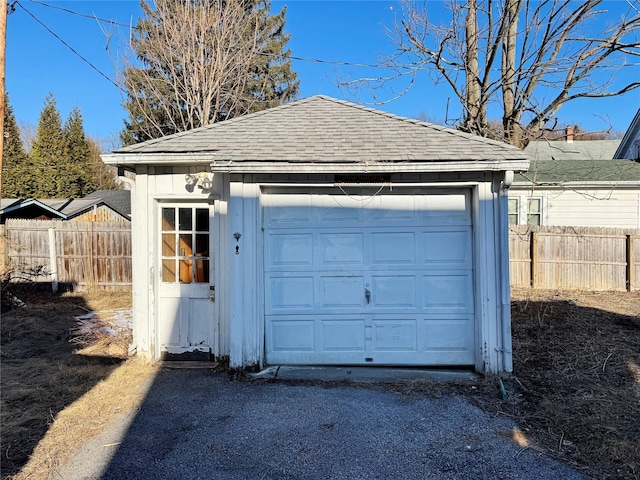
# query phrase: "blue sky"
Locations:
[[338, 31]]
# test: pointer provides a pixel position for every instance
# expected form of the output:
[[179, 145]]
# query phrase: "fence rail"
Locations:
[[582, 258], [99, 254], [83, 253]]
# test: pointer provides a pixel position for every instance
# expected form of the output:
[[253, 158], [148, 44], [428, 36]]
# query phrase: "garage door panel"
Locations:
[[289, 249], [451, 248], [397, 248], [447, 291], [339, 292], [390, 210], [393, 291], [342, 334], [445, 209], [341, 249], [292, 335], [283, 210], [450, 335], [289, 293], [395, 335], [338, 211]]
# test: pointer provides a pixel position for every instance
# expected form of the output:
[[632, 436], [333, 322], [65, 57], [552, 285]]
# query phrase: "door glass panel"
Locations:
[[202, 245], [185, 250], [202, 271], [186, 275], [169, 270], [184, 220], [185, 247], [168, 245], [202, 220], [168, 219]]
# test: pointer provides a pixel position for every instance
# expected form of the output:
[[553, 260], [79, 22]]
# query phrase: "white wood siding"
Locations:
[[606, 207]]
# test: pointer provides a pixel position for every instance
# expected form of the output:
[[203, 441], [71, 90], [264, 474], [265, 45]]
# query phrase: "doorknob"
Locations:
[[367, 295]]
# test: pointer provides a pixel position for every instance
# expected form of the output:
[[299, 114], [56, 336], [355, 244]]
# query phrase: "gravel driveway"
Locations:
[[200, 424]]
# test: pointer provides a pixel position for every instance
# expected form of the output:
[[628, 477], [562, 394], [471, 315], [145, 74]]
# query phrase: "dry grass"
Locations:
[[121, 393], [577, 377], [43, 375], [575, 393]]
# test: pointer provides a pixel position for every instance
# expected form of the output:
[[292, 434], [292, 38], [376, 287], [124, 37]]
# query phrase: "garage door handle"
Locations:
[[367, 295]]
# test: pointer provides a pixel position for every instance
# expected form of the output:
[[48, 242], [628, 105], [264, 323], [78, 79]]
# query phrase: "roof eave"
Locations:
[[578, 184], [230, 166], [395, 167]]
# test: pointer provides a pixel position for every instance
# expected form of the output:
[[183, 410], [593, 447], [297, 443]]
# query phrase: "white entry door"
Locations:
[[383, 279], [188, 328]]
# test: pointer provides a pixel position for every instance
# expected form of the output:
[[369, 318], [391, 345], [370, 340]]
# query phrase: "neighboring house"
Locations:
[[576, 184], [630, 145], [322, 232], [105, 206]]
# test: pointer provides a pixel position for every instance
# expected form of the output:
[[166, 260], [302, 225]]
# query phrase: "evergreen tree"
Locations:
[[203, 61], [48, 152], [15, 167], [78, 179]]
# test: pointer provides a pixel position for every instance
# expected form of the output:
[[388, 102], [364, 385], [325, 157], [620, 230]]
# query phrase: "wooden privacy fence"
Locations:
[[582, 258], [88, 254], [99, 254]]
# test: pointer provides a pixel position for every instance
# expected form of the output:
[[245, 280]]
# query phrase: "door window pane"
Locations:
[[168, 244], [202, 271], [168, 219], [184, 220], [202, 245], [185, 250], [185, 247], [202, 219], [186, 275], [169, 270]]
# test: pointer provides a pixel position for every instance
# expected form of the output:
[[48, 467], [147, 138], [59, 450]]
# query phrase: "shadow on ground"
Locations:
[[41, 374]]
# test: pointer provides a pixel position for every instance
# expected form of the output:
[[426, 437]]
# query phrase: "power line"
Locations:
[[292, 57], [301, 59], [66, 44], [84, 15]]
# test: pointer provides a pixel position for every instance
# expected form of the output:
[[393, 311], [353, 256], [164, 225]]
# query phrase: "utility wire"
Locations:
[[18, 3], [292, 57], [84, 15], [301, 59]]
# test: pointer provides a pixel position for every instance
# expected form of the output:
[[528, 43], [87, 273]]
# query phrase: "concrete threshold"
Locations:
[[362, 374], [188, 365]]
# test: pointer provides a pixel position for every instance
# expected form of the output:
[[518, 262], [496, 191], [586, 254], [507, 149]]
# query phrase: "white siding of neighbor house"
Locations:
[[592, 207]]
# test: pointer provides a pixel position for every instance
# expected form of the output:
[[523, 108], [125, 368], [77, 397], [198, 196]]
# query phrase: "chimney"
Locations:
[[569, 134]]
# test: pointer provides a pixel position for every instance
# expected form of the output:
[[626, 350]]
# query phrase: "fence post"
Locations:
[[534, 259], [631, 264], [53, 260], [3, 249]]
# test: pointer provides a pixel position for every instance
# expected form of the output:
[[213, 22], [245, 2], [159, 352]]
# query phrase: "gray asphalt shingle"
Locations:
[[325, 130]]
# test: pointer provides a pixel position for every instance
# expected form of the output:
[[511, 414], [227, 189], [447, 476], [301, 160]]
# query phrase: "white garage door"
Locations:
[[382, 279]]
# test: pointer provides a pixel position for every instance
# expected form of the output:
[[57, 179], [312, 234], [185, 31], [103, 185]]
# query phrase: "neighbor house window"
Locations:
[[514, 204], [185, 245], [534, 211]]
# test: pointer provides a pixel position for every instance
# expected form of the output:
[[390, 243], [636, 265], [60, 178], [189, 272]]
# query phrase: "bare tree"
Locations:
[[197, 63], [525, 57]]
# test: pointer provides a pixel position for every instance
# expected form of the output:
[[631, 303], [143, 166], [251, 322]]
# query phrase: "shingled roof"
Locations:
[[580, 150], [557, 172], [323, 130]]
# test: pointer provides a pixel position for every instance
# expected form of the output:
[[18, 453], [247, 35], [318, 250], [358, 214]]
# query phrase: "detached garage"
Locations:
[[322, 233]]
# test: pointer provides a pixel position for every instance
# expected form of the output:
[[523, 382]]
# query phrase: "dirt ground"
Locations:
[[575, 392]]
